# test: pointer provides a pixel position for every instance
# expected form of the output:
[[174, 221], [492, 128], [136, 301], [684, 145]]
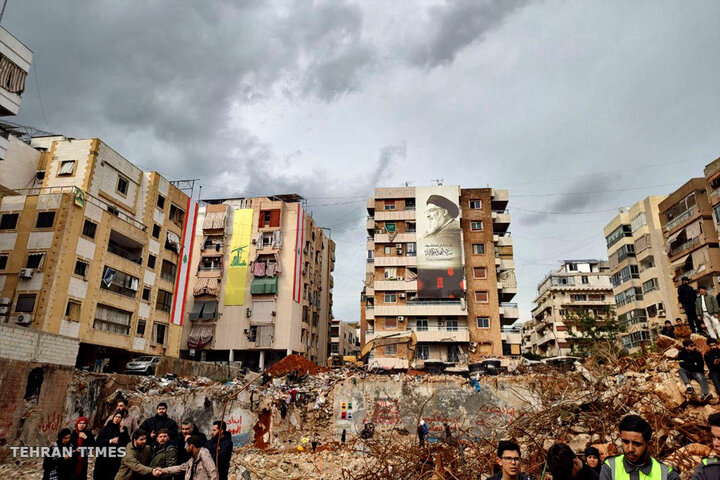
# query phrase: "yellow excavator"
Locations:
[[361, 359]]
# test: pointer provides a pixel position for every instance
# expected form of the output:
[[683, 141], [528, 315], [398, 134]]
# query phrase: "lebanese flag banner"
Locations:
[[299, 245], [181, 280]]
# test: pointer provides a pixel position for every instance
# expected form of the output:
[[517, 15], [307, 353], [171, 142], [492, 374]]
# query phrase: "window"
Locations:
[[45, 220], [34, 260], [177, 215], [168, 271], [390, 273], [151, 261], [3, 261], [269, 218], [476, 204], [389, 204], [391, 322], [72, 311], [113, 210], [9, 221], [638, 221], [390, 227], [478, 248], [25, 303], [111, 319], [481, 297], [266, 217], [650, 285], [585, 280], [81, 268], [421, 324], [410, 227], [164, 300], [390, 349], [387, 250], [89, 229], [119, 282], [371, 254], [410, 249], [476, 226], [390, 298], [67, 167], [140, 331], [122, 185], [422, 352], [159, 336], [483, 322], [252, 335], [146, 294], [573, 267], [451, 324], [160, 203], [156, 231], [581, 297], [480, 273]]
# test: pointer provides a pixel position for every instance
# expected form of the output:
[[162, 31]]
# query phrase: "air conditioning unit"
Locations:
[[4, 310], [398, 246], [5, 300], [401, 295], [24, 319], [661, 312], [26, 273], [401, 319], [274, 313], [254, 241], [248, 312]]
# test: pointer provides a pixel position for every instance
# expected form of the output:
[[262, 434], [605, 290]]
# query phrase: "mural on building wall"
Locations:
[[236, 278], [183, 275], [439, 244]]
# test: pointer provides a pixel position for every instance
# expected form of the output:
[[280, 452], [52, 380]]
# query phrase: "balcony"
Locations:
[[125, 247], [370, 223], [16, 60], [504, 263], [396, 261], [685, 246], [211, 249], [683, 217], [441, 334], [503, 241], [396, 285], [369, 313], [407, 214], [423, 308], [396, 238], [509, 310]]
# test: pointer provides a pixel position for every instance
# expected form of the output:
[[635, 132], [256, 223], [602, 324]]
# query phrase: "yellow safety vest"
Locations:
[[658, 471]]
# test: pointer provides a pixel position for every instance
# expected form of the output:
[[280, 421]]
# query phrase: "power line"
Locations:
[[37, 87], [565, 213], [594, 192]]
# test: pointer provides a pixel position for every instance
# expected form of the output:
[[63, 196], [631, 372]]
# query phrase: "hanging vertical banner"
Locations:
[[439, 244], [183, 274], [239, 257], [299, 245]]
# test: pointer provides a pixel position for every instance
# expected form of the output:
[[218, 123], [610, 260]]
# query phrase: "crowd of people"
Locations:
[[635, 462], [156, 448]]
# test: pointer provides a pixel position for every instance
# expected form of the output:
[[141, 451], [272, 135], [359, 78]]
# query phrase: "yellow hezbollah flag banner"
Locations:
[[239, 257]]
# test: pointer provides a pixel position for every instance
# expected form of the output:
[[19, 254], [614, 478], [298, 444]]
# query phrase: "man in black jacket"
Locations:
[[668, 330], [220, 454], [187, 429], [508, 459], [692, 366], [564, 464], [687, 296], [154, 424], [712, 360]]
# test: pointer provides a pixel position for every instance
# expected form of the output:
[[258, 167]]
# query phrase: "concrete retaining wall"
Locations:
[[188, 368], [20, 343]]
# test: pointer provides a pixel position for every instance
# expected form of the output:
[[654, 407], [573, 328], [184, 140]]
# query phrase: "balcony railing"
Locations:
[[508, 305], [679, 219], [370, 260], [120, 252], [434, 302], [685, 245], [627, 300], [415, 328]]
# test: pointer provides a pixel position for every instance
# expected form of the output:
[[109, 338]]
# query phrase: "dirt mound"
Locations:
[[294, 363]]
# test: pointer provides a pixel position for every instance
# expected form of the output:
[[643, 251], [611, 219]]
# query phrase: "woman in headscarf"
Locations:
[[592, 459], [59, 465], [114, 434], [81, 437]]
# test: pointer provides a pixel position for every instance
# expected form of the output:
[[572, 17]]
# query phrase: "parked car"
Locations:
[[143, 365]]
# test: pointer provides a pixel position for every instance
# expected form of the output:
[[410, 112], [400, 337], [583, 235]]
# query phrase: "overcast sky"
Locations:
[[577, 108]]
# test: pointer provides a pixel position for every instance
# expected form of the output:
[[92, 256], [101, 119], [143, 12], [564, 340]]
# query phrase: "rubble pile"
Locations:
[[295, 405]]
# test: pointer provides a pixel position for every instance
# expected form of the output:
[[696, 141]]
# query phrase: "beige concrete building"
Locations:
[[343, 338], [89, 249], [577, 286], [440, 264], [512, 341], [640, 272], [261, 279]]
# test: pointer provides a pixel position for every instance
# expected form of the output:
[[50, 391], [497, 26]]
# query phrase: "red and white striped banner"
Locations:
[[299, 245], [183, 274]]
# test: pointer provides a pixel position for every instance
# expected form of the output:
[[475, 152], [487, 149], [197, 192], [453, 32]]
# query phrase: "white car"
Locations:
[[143, 365]]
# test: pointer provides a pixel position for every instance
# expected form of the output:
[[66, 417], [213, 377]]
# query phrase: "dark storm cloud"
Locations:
[[456, 25]]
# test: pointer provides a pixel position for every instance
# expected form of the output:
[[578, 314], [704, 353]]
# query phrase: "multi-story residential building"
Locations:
[[439, 263], [691, 237], [261, 278], [578, 287], [343, 339], [90, 250], [644, 293], [512, 341]]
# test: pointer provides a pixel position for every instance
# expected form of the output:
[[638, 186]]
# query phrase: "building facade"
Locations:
[[261, 280], [343, 338], [639, 272], [89, 250], [578, 287], [439, 263], [690, 233]]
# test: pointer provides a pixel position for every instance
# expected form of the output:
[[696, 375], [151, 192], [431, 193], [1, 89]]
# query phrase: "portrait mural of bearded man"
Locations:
[[439, 249]]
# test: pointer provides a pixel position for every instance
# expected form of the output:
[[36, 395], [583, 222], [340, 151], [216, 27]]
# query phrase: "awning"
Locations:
[[204, 310], [214, 221], [174, 240], [679, 261], [200, 335], [262, 285], [263, 312], [674, 236], [206, 286]]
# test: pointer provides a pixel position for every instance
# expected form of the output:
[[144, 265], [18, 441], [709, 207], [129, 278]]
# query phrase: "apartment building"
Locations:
[[577, 286], [644, 292], [689, 228], [90, 250], [512, 341], [343, 338], [261, 278], [439, 263]]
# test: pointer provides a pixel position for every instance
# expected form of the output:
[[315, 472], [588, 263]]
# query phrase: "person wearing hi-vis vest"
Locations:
[[636, 463], [709, 468]]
